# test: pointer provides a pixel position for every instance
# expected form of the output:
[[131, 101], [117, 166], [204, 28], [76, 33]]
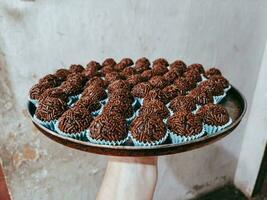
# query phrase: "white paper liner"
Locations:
[[177, 139], [77, 136], [213, 129], [105, 142], [217, 99], [228, 88], [154, 143], [34, 101], [203, 77], [48, 124]]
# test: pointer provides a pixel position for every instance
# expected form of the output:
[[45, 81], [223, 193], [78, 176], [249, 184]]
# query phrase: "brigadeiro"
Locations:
[[94, 64], [215, 117], [92, 69], [192, 76], [76, 68], [120, 66], [148, 130], [185, 126], [212, 72], [160, 61], [50, 79], [112, 76], [196, 66], [122, 95], [201, 97], [186, 103], [221, 80], [127, 61], [159, 69], [154, 107], [128, 71], [62, 74], [156, 94], [142, 64], [49, 110], [171, 75], [134, 79], [74, 123], [158, 82], [89, 103], [183, 85], [147, 74], [55, 93], [37, 90], [118, 84], [171, 91], [98, 81], [109, 62], [108, 129], [120, 107], [213, 87], [72, 87], [141, 89], [178, 65], [95, 92], [107, 69], [80, 78]]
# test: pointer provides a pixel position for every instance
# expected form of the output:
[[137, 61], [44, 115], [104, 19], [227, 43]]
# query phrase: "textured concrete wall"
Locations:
[[36, 37]]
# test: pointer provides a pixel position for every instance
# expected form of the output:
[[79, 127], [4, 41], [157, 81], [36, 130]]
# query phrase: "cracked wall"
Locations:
[[37, 37]]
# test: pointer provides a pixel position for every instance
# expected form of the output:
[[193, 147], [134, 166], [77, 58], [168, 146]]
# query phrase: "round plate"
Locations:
[[234, 102]]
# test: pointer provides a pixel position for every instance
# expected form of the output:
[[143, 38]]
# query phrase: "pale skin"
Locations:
[[131, 178]]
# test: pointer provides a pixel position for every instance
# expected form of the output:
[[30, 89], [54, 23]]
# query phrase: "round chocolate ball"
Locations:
[[134, 79], [98, 81], [50, 79], [161, 61], [127, 61], [186, 103], [38, 89], [156, 94], [212, 72], [158, 82], [89, 103], [109, 62], [116, 106], [196, 66], [201, 97], [76, 68], [141, 65], [128, 71], [107, 69], [118, 84], [154, 107], [172, 91], [94, 64], [55, 93], [62, 74], [95, 92], [220, 80], [141, 89], [212, 87], [159, 69], [112, 76], [179, 65], [147, 74]]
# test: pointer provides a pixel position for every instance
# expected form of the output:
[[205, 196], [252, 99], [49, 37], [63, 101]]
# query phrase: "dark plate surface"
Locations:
[[234, 102]]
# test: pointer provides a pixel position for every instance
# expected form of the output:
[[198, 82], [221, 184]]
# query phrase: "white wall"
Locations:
[[37, 37]]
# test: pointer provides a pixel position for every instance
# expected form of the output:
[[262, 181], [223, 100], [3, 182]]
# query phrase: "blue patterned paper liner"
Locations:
[[77, 136], [154, 143], [97, 112], [130, 119], [48, 124], [217, 99], [34, 101], [73, 99], [105, 142], [177, 139], [228, 88], [197, 108], [213, 129], [136, 104]]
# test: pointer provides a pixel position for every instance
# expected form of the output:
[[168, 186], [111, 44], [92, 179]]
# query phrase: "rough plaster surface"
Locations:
[[36, 37]]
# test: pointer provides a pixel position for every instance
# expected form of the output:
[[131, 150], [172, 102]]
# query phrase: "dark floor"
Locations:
[[229, 193]]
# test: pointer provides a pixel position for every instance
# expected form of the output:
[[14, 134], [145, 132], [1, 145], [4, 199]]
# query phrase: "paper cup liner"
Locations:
[[152, 143], [77, 136], [130, 119], [228, 88], [213, 129], [217, 99], [179, 138], [48, 124], [73, 99], [136, 104], [105, 142], [34, 101], [97, 112], [203, 77]]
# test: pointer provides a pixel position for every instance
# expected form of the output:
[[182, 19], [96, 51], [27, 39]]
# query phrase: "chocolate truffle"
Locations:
[[109, 62], [134, 79], [212, 72], [158, 82], [141, 89], [192, 76], [74, 84], [109, 127], [172, 91], [127, 61], [179, 65], [120, 66], [196, 66], [154, 107], [76, 68], [160, 61], [50, 109], [51, 79], [91, 70], [55, 93], [201, 97], [122, 95], [148, 128], [142, 64], [119, 107], [107, 69], [95, 92], [62, 74], [75, 120], [159, 69], [88, 103], [214, 115], [147, 74], [128, 71], [156, 94], [96, 81], [38, 89], [118, 84], [171, 75], [183, 85], [185, 123], [186, 103], [220, 80], [79, 78], [212, 87], [94, 64], [112, 76]]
